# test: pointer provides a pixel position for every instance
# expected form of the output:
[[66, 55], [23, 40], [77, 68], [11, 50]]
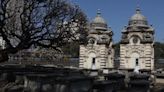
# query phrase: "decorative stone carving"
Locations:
[[147, 37]]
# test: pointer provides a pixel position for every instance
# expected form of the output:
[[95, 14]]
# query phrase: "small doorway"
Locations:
[[93, 63], [137, 63], [134, 60]]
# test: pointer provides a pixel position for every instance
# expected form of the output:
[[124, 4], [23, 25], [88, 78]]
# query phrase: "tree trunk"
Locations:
[[3, 56]]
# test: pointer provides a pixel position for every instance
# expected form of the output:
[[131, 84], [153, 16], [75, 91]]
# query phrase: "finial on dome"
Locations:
[[98, 12], [138, 11]]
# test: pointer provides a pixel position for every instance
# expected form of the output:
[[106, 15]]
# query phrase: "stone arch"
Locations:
[[134, 50], [135, 59], [92, 61]]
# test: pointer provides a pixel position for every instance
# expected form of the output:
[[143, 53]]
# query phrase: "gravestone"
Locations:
[[117, 78], [104, 86], [139, 83]]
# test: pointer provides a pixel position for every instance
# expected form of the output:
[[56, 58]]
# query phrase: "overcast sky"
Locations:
[[117, 13]]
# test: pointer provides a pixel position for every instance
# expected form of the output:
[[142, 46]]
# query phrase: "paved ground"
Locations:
[[158, 88]]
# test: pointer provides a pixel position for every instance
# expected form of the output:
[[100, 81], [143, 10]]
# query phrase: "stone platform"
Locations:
[[38, 78]]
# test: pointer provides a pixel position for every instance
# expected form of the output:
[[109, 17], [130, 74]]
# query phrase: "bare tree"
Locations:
[[45, 23]]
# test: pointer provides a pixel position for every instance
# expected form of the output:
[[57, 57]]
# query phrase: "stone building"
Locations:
[[137, 44], [2, 43], [98, 53]]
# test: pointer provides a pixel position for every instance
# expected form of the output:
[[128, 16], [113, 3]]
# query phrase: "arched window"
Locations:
[[92, 61]]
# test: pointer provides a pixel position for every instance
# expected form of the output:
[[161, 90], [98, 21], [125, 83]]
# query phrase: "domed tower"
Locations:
[[137, 44], [98, 53]]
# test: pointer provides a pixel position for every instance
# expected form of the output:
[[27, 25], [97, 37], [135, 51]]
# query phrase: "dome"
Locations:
[[138, 18], [99, 19], [98, 22]]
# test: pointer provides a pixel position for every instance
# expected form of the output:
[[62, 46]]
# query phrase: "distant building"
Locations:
[[137, 44], [2, 43], [98, 53]]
